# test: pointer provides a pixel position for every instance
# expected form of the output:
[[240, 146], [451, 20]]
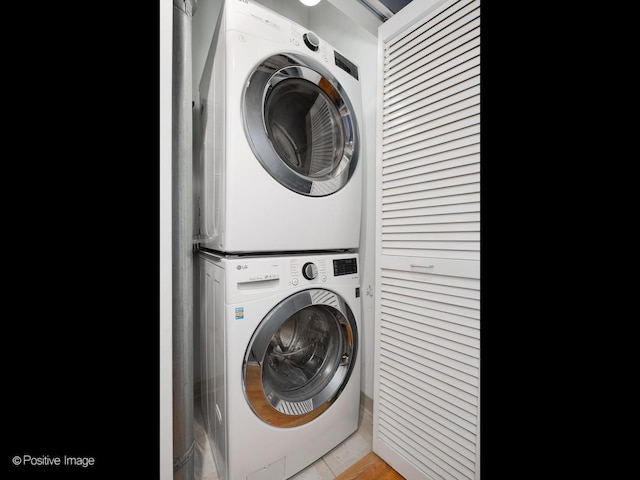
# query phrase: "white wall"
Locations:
[[203, 24], [360, 46]]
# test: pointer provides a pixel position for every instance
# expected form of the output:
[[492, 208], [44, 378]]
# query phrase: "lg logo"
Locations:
[[242, 267]]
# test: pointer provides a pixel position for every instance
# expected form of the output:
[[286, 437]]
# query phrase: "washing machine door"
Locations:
[[300, 358], [301, 125]]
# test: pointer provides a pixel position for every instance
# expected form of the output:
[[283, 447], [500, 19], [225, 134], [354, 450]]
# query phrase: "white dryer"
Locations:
[[281, 147], [279, 360]]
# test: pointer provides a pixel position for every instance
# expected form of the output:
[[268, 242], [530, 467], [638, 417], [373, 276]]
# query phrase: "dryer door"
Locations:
[[301, 125], [300, 358]]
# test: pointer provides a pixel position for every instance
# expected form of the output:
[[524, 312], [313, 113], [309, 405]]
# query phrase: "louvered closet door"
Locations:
[[426, 394]]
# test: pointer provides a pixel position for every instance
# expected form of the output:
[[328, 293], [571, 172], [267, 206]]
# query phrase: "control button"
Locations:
[[310, 271], [294, 282], [323, 278], [311, 41], [295, 41]]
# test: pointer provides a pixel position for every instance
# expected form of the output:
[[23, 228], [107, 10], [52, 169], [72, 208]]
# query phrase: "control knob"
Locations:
[[309, 271], [311, 40]]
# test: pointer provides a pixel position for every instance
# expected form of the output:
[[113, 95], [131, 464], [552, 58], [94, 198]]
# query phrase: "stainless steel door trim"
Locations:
[[287, 407], [262, 82]]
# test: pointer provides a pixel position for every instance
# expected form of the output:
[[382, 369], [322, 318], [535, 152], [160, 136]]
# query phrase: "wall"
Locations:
[[360, 46]]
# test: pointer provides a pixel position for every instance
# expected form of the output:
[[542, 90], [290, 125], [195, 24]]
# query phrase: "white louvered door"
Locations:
[[427, 372]]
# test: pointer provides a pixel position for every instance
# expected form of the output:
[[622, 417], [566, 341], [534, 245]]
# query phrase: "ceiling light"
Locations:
[[310, 3]]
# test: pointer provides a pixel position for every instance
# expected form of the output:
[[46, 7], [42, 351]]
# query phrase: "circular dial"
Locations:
[[311, 41], [310, 271]]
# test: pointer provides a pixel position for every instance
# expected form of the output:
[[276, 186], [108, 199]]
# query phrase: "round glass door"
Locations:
[[300, 125], [300, 358]]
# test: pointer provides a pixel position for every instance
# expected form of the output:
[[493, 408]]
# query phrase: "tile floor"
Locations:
[[326, 468]]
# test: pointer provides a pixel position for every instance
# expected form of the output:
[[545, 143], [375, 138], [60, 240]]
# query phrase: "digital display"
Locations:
[[346, 65], [345, 266]]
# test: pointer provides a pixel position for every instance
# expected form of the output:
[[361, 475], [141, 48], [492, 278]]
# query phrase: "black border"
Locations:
[[81, 349]]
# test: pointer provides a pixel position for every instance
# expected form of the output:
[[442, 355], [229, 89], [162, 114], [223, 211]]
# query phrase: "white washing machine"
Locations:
[[280, 359], [280, 159]]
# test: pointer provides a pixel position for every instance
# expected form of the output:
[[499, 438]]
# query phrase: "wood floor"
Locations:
[[370, 467]]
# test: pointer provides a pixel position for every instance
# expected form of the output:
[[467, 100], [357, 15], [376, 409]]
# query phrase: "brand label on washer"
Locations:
[[239, 313]]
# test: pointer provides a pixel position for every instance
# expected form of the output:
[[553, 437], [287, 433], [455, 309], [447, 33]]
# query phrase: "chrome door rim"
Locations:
[[269, 404], [261, 82]]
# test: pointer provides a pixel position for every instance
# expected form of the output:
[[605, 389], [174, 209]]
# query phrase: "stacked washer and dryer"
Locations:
[[279, 200]]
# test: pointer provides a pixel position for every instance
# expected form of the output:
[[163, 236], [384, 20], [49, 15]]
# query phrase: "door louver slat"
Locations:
[[443, 118], [464, 89], [436, 129], [441, 85], [460, 427], [438, 107], [429, 29], [409, 84]]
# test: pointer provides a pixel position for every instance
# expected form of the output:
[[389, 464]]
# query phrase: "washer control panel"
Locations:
[[251, 277], [319, 270]]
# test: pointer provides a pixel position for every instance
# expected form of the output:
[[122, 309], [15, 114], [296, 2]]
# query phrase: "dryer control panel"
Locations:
[[346, 65]]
